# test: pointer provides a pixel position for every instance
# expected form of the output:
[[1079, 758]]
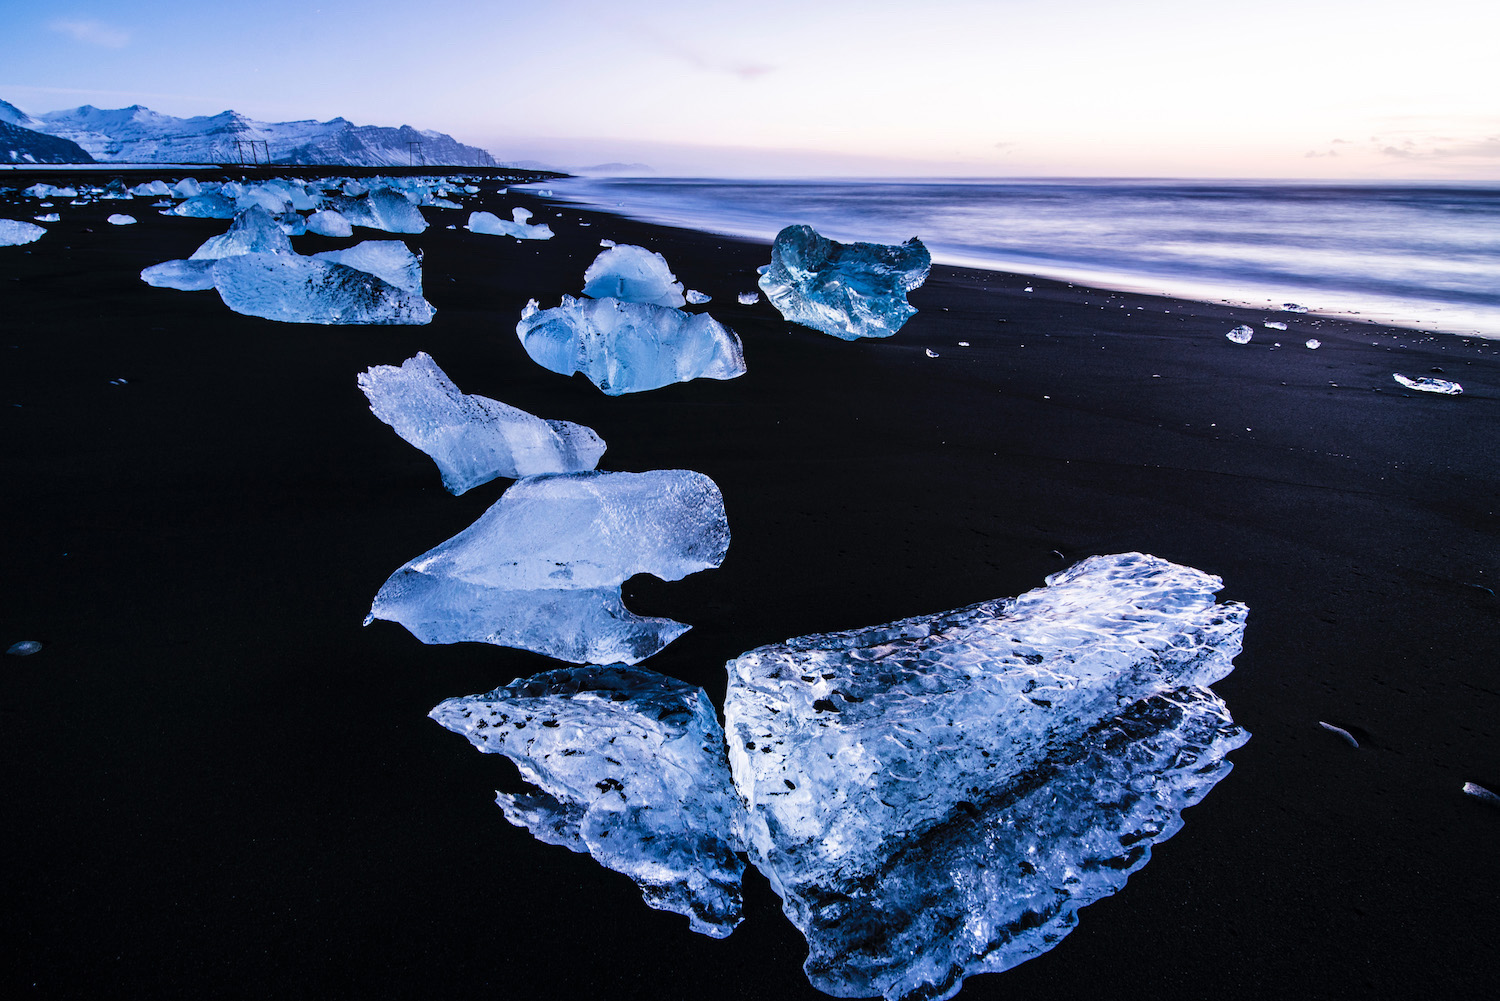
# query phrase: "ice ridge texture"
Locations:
[[633, 274], [848, 290], [473, 439], [628, 766], [541, 569], [937, 797], [629, 347]]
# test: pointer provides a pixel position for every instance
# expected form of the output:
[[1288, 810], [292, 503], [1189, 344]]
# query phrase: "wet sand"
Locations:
[[221, 785]]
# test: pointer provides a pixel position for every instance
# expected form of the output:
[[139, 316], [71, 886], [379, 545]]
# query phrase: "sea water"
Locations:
[[1420, 255]]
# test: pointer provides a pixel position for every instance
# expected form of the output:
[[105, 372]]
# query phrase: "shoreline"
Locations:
[[224, 784]]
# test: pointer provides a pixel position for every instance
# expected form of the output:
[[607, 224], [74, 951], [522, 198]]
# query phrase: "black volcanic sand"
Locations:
[[220, 785]]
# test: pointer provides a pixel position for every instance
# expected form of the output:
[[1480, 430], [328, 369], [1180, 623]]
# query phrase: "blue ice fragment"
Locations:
[[847, 290], [628, 766]]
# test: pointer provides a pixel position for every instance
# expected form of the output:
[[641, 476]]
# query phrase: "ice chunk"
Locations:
[[633, 274], [25, 648], [209, 205], [628, 766], [296, 289], [1274, 325], [1313, 343], [185, 276], [391, 260], [1348, 737], [629, 347], [937, 797], [541, 569], [14, 232], [48, 217], [254, 231], [329, 223], [1471, 788], [1426, 385], [473, 439], [930, 353], [1241, 334], [188, 187], [151, 189], [384, 209], [492, 225], [275, 199], [1292, 307], [846, 290], [749, 298], [606, 243], [40, 190], [696, 298]]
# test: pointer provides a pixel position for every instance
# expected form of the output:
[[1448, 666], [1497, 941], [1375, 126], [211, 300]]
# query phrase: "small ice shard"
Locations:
[[749, 298], [606, 243], [937, 797], [1426, 385], [633, 274], [490, 224], [626, 765], [24, 648], [1028, 288], [390, 260], [473, 439], [696, 298], [541, 569], [209, 205], [1472, 788], [1348, 737], [1313, 344], [1241, 334], [14, 232], [295, 289], [48, 217], [963, 344], [1292, 307], [254, 231], [188, 187], [629, 347], [329, 222], [185, 276], [1274, 325], [847, 290], [930, 353]]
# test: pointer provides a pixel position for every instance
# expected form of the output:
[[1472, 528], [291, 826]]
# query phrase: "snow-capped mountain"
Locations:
[[139, 135], [21, 143]]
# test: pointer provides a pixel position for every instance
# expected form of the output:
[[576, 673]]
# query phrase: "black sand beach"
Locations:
[[220, 785]]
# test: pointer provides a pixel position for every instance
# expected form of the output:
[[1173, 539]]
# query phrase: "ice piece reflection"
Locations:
[[628, 766]]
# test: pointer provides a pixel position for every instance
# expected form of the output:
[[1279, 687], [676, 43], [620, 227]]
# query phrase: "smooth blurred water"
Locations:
[[1426, 256]]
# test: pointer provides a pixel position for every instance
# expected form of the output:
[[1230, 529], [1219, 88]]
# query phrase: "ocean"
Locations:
[[1425, 256]]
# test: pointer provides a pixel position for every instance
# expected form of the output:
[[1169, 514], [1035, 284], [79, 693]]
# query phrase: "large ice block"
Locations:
[[390, 260], [936, 797], [473, 439], [628, 766], [14, 232], [254, 231], [629, 347], [848, 290], [633, 274], [296, 289], [541, 569]]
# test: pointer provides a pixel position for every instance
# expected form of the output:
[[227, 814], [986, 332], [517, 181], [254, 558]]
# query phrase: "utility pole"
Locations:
[[414, 151]]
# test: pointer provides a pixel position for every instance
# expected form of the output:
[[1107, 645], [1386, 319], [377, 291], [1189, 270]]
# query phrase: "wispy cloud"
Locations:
[[92, 32]]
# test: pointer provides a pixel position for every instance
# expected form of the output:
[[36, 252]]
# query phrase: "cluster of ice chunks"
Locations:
[[541, 569], [847, 290], [1427, 385], [627, 766], [14, 232], [489, 224], [473, 439], [629, 347], [629, 273]]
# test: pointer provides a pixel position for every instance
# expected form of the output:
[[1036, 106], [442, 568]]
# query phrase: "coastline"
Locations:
[[225, 785]]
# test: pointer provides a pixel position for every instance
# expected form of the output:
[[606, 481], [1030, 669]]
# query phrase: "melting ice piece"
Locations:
[[185, 276], [749, 298], [937, 797], [1292, 307], [1471, 788], [541, 569], [1426, 385], [254, 231], [120, 219], [1274, 325], [48, 217], [25, 648], [14, 232], [384, 209], [1348, 737], [633, 274], [629, 347], [1313, 344], [696, 298], [1241, 334], [390, 260], [606, 243], [329, 222], [209, 205], [492, 225], [628, 766], [188, 187], [296, 289], [471, 438], [847, 290]]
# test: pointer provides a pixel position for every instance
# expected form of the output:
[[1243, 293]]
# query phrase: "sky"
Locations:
[[1360, 89]]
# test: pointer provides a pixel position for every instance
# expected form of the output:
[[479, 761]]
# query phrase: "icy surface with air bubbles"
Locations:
[[848, 290]]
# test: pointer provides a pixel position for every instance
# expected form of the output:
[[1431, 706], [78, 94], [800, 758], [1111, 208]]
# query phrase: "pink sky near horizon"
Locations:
[[1334, 89]]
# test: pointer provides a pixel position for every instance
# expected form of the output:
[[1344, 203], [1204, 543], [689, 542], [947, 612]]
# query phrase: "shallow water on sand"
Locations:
[[1425, 256]]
